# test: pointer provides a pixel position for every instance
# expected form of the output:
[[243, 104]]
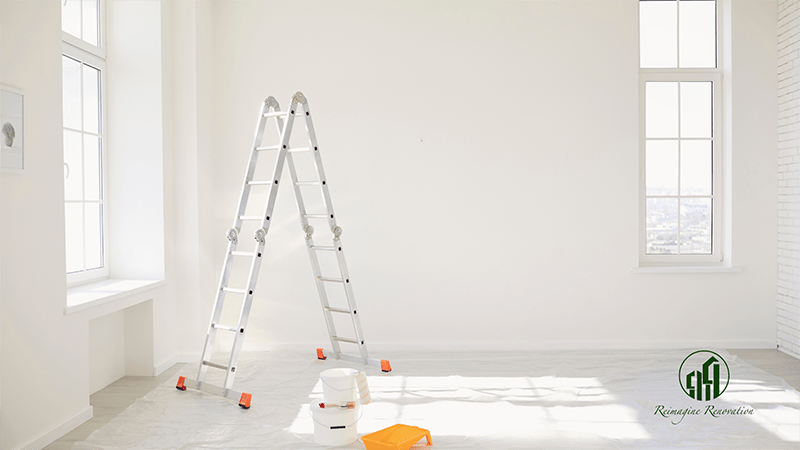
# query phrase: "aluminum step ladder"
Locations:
[[284, 121]]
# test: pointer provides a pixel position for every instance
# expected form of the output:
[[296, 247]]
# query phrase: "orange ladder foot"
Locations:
[[180, 385], [321, 355], [385, 366], [244, 402]]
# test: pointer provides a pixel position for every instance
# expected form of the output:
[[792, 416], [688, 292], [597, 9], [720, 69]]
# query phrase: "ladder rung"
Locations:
[[299, 149], [268, 147], [235, 291], [334, 280], [243, 253], [340, 339], [259, 182], [224, 327], [306, 183], [339, 310], [215, 365], [315, 216], [276, 114], [323, 248], [250, 217]]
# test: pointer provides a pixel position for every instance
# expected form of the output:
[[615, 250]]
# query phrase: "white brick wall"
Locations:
[[789, 176]]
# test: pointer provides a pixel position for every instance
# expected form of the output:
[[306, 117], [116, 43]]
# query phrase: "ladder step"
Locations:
[[299, 149], [215, 365], [323, 248], [243, 254], [250, 217], [339, 310], [333, 280], [268, 147], [341, 339], [306, 183], [315, 216], [234, 291], [224, 327], [253, 183], [276, 114]]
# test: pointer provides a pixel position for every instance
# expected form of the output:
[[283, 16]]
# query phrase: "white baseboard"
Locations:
[[160, 368], [60, 430], [187, 358], [377, 347]]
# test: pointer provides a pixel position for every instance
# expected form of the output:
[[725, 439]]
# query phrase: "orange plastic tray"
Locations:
[[396, 437]]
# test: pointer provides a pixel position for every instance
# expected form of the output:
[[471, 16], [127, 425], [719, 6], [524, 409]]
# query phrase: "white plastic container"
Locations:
[[334, 426], [339, 385]]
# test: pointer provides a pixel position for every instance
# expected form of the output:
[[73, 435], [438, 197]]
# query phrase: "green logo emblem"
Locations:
[[704, 375]]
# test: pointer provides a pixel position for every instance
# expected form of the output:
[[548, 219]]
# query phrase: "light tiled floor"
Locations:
[[115, 398]]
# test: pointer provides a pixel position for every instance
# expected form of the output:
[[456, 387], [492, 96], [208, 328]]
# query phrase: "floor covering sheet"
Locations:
[[513, 400]]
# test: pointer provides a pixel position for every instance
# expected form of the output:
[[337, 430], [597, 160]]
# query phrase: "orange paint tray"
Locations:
[[396, 437]]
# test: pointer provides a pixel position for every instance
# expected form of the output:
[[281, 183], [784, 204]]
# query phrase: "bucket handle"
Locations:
[[339, 427]]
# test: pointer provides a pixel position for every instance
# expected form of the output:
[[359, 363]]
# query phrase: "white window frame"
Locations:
[[75, 48], [678, 74], [716, 193]]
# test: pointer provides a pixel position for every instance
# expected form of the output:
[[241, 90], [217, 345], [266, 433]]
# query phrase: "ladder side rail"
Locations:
[[244, 314], [270, 102], [252, 277], [351, 300], [312, 254], [323, 295], [208, 346], [312, 139]]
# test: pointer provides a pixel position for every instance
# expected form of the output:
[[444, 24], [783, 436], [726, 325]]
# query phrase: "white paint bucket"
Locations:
[[335, 426], [339, 385]]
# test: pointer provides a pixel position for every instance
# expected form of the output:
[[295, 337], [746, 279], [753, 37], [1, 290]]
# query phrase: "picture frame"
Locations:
[[12, 129]]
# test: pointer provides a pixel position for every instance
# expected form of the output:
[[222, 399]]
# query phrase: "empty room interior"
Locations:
[[567, 224]]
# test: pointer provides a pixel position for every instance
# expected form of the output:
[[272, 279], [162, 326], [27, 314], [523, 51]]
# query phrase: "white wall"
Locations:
[[789, 177], [45, 353], [483, 162], [51, 362]]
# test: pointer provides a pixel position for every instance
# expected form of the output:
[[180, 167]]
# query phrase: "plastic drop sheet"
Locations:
[[531, 400]]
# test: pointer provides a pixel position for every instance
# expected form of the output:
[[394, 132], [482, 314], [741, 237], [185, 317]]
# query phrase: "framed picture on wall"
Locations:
[[12, 141]]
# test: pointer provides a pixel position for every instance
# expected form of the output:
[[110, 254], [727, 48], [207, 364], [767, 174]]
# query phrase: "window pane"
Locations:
[[90, 15], [94, 235], [696, 107], [696, 167], [698, 33], [662, 226], [71, 17], [661, 109], [73, 166], [71, 76], [696, 226], [91, 167], [73, 215], [661, 167], [658, 34], [91, 99]]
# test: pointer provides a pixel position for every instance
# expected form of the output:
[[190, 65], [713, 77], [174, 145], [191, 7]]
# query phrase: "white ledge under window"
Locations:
[[685, 269], [93, 294]]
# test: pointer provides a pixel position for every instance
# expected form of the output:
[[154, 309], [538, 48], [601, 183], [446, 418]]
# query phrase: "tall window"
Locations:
[[680, 89], [83, 76]]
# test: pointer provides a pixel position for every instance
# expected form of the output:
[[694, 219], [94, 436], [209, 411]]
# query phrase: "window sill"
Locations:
[[685, 269], [89, 295]]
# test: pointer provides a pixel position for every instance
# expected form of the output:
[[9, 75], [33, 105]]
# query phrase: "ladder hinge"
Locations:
[[233, 235], [260, 235], [309, 231]]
